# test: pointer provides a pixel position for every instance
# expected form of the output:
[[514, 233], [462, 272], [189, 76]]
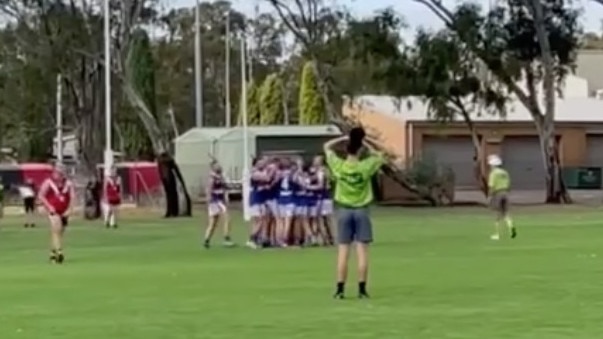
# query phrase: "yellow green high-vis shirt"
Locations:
[[499, 180], [353, 186]]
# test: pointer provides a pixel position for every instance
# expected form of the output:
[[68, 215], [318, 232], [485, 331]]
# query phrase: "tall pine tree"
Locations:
[[311, 105], [271, 101]]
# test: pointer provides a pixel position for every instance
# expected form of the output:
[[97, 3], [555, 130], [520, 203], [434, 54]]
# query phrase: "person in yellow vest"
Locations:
[[499, 184]]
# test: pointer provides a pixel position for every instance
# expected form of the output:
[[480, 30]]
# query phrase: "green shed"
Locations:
[[192, 150]]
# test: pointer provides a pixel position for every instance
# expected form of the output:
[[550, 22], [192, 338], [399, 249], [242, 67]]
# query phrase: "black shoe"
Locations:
[[339, 295], [115, 226], [363, 295], [52, 259], [107, 226], [206, 244], [26, 225], [60, 258], [32, 225], [513, 233]]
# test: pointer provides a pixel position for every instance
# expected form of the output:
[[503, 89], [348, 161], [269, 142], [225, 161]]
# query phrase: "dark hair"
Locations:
[[356, 137]]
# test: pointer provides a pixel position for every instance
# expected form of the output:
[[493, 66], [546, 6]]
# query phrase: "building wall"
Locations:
[[573, 150], [588, 66], [390, 131]]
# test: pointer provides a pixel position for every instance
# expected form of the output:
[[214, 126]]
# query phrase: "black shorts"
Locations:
[[29, 204]]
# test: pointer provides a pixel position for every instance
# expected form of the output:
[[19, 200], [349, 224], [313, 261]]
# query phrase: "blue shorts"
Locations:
[[354, 225]]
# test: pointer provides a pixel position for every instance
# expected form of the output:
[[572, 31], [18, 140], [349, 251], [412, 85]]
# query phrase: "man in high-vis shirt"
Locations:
[[499, 184], [353, 197]]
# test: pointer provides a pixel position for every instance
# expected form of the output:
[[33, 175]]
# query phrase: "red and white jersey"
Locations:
[[112, 190], [57, 194]]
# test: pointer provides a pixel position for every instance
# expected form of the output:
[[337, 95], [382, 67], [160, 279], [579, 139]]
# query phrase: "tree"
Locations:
[[136, 139], [311, 104], [504, 40], [253, 106], [271, 101], [448, 77]]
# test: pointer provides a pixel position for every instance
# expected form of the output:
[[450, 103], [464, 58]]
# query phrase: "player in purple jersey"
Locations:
[[325, 200], [272, 189], [216, 205], [304, 231], [257, 202], [286, 204]]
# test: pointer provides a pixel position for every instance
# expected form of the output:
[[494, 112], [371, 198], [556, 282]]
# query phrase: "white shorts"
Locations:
[[326, 208], [216, 208], [106, 207], [286, 211], [272, 207], [313, 211], [301, 211], [257, 210]]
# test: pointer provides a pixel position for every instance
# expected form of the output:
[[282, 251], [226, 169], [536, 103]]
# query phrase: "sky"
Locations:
[[415, 14]]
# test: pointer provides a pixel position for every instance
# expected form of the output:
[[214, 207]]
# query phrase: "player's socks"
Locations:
[[60, 257], [206, 243], [362, 293], [511, 227], [339, 291], [227, 241]]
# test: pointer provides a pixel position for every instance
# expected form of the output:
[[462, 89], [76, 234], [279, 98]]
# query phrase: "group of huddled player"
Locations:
[[290, 203]]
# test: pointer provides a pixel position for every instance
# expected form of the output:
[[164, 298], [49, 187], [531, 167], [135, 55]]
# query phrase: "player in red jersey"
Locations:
[[56, 195], [112, 198]]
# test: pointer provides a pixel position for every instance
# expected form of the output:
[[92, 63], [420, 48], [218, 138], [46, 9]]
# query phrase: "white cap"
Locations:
[[494, 160]]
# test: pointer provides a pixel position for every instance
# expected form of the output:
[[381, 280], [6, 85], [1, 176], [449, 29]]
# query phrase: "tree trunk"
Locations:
[[171, 178], [169, 171], [478, 158], [556, 192]]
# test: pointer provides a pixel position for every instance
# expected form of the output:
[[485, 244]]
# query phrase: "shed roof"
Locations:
[[416, 109], [203, 133], [294, 130]]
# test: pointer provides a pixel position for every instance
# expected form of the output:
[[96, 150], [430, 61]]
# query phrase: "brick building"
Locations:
[[405, 128]]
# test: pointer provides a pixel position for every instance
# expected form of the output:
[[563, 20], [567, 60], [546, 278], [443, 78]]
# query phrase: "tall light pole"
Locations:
[[108, 157], [246, 169], [198, 71], [59, 120], [227, 73]]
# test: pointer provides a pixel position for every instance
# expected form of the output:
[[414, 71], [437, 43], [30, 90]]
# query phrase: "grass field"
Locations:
[[435, 274]]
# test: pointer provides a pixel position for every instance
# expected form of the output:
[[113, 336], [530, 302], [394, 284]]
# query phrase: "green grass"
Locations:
[[435, 274]]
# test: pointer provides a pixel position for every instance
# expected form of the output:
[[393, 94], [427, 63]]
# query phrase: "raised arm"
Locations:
[[376, 159], [333, 161], [328, 146], [259, 176]]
